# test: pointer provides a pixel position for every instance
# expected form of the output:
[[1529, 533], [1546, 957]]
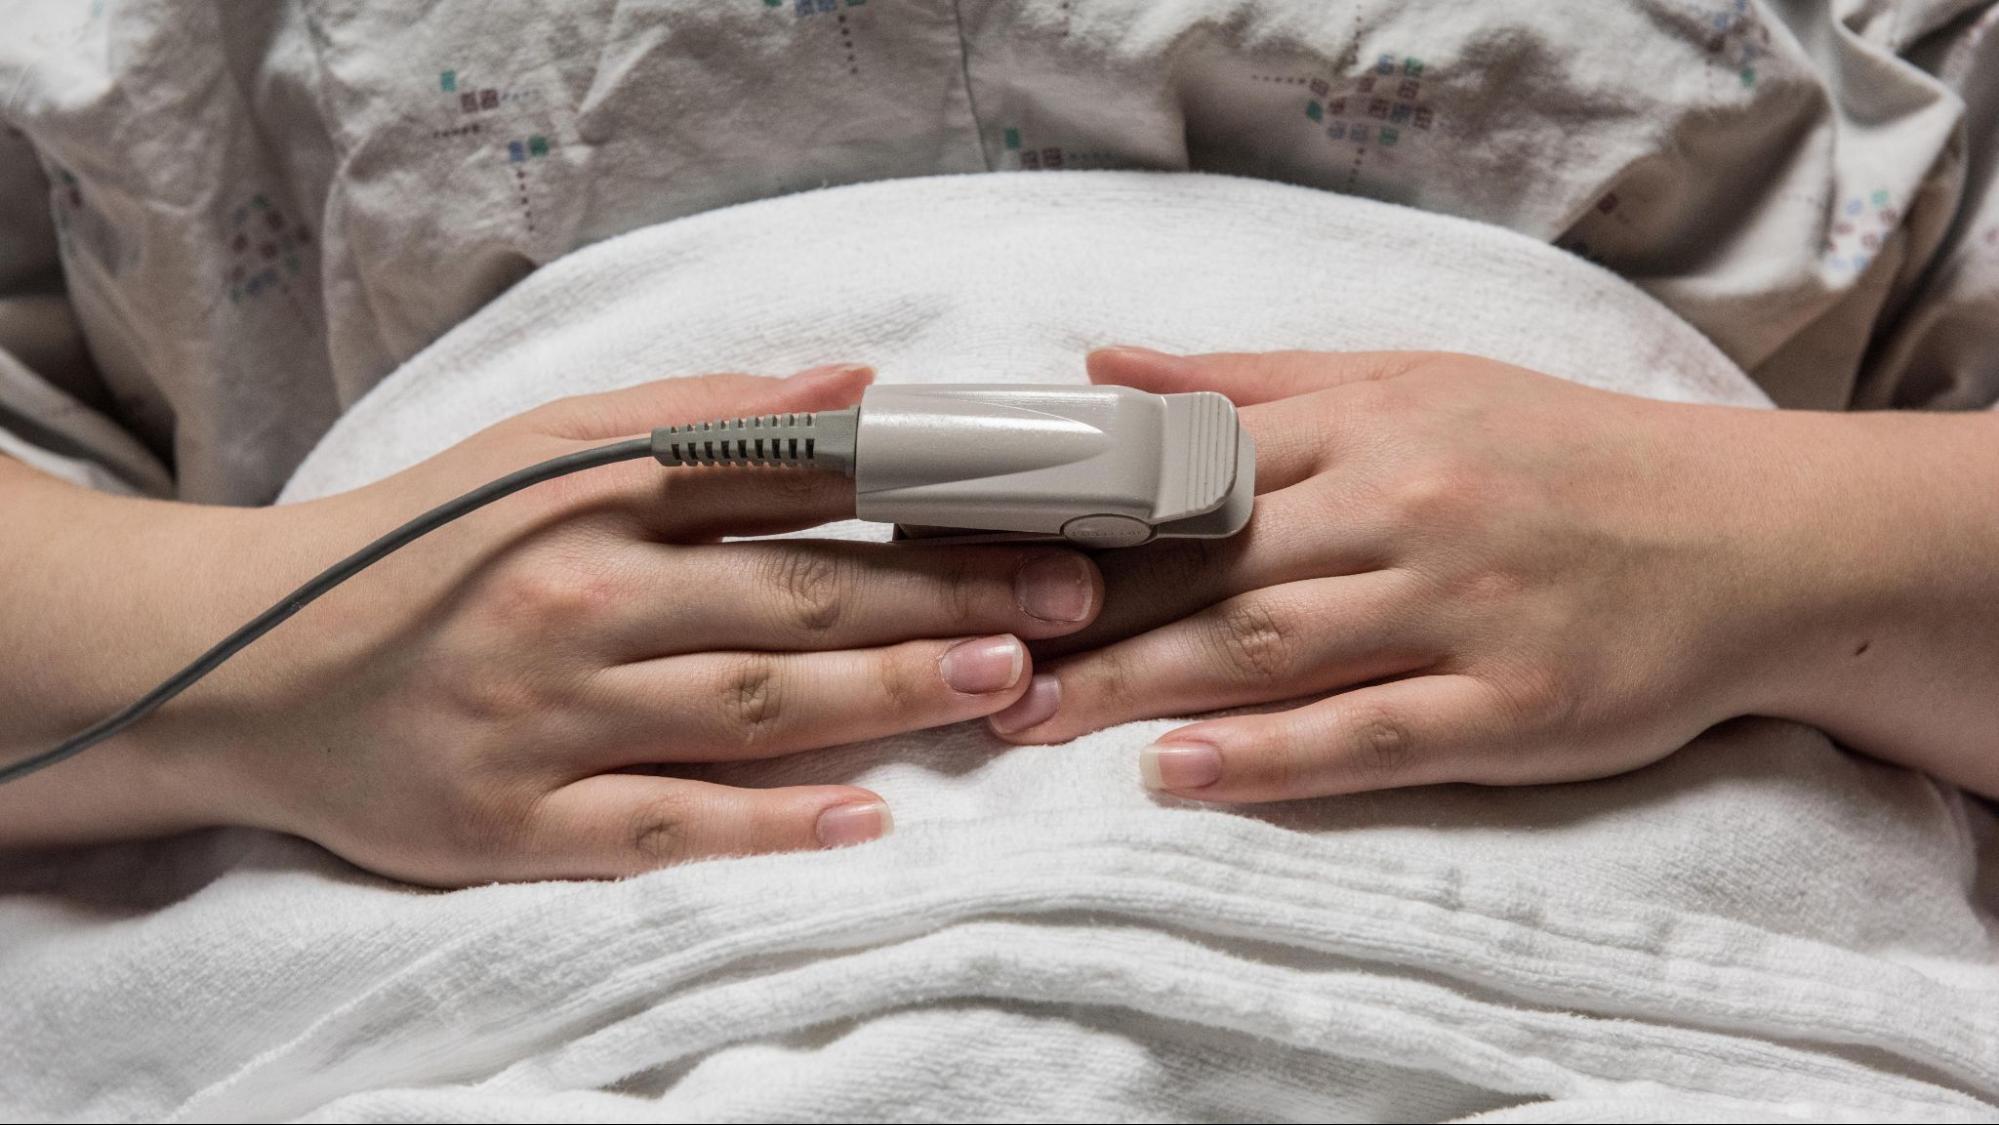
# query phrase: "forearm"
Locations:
[[1885, 528], [100, 598]]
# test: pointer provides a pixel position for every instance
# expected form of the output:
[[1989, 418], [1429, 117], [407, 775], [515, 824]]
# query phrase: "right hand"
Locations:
[[476, 706]]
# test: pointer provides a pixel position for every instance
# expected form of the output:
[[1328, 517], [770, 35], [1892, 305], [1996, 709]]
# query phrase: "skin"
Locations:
[[506, 698], [1463, 571]]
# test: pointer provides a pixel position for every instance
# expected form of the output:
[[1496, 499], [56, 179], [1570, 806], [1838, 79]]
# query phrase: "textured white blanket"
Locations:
[[1760, 927]]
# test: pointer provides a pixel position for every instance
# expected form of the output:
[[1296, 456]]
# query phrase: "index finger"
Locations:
[[698, 398], [1281, 396], [1247, 378]]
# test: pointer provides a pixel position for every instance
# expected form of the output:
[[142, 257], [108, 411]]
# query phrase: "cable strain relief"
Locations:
[[820, 440]]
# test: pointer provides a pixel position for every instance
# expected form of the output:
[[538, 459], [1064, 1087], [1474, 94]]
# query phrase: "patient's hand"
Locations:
[[469, 709], [1503, 577]]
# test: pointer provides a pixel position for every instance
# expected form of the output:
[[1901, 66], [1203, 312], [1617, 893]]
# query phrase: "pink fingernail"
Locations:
[[1179, 766], [854, 823], [1044, 695], [1055, 588], [983, 665]]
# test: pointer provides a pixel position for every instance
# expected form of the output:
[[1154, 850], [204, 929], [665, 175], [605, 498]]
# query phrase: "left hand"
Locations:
[[1501, 577]]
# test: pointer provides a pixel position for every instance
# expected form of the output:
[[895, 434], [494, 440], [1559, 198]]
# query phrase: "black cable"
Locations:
[[329, 578]]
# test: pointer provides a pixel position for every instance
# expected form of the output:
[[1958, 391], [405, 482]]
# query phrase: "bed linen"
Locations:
[[1763, 926]]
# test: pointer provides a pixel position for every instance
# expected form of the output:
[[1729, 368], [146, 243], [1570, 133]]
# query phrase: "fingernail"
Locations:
[[1179, 766], [1044, 695], [1055, 588], [826, 371], [983, 665], [854, 823]]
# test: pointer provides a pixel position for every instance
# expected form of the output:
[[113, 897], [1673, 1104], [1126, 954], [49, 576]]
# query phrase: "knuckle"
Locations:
[[660, 831], [813, 587], [1254, 643], [1428, 495], [902, 684], [489, 696], [754, 702], [555, 595], [1380, 744], [1443, 485], [484, 700], [960, 584]]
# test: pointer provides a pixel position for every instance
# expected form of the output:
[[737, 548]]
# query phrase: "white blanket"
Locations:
[[1762, 926]]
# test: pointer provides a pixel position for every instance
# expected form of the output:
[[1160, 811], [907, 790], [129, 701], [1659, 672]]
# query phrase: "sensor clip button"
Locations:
[[1106, 531]]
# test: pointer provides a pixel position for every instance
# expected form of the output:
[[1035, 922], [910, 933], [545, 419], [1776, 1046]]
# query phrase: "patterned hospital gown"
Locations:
[[221, 224]]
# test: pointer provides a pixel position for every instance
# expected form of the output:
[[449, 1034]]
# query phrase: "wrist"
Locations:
[[122, 592], [1839, 550], [203, 749], [1782, 587]]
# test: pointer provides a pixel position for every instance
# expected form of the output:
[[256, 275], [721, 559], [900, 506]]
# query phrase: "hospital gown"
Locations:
[[221, 224]]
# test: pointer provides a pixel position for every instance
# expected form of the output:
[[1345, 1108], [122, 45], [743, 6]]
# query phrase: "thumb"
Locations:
[[1247, 378], [700, 398]]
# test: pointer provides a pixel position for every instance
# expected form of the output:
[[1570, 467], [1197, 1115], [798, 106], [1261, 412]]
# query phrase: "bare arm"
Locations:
[[1508, 578], [1890, 523], [99, 595], [505, 698]]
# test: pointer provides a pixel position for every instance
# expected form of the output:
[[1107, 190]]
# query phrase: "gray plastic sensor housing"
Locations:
[[1098, 466]]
